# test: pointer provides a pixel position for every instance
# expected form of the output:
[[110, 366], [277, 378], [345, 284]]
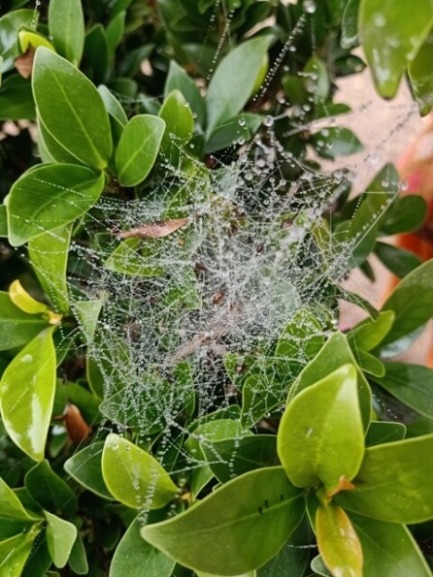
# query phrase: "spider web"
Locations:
[[183, 315]]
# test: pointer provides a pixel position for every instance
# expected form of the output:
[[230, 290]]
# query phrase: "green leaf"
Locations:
[[138, 148], [336, 141], [407, 214], [134, 477], [48, 197], [389, 549], [233, 457], [61, 536], [391, 38], [24, 300], [85, 468], [179, 124], [178, 79], [115, 31], [50, 150], [293, 558], [49, 490], [399, 261], [48, 255], [335, 353], [349, 24], [384, 432], [410, 384], [87, 313], [96, 57], [10, 24], [66, 26], [134, 557], [338, 542], [394, 482], [325, 421], [236, 538], [137, 257], [3, 221], [370, 332], [411, 301], [71, 108], [15, 551], [234, 80], [11, 506], [370, 364], [316, 79], [113, 106], [235, 131], [17, 327], [16, 99], [78, 557], [421, 77], [27, 394]]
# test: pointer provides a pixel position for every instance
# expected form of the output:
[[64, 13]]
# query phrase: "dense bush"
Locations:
[[176, 396]]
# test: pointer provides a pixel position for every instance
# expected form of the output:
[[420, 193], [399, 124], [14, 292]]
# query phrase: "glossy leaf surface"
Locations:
[[48, 254], [61, 536], [135, 557], [234, 79], [49, 490], [17, 327], [48, 197], [66, 26], [138, 148], [27, 394], [71, 109], [321, 437], [236, 538], [338, 542], [15, 551], [379, 22], [11, 506], [394, 482], [134, 477], [85, 467]]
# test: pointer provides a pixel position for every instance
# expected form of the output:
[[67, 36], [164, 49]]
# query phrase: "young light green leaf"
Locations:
[[335, 353], [15, 551], [135, 557], [48, 254], [394, 482], [48, 197], [49, 490], [389, 549], [85, 468], [61, 536], [411, 301], [370, 332], [236, 538], [16, 326], [24, 300], [179, 124], [66, 26], [87, 313], [234, 80], [27, 394], [134, 477], [138, 148], [178, 79], [11, 506], [391, 38], [410, 384], [338, 542], [71, 108], [325, 421]]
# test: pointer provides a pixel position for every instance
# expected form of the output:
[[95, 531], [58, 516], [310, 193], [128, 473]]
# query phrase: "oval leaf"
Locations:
[[48, 197], [338, 542], [134, 477], [232, 525], [85, 468], [134, 557], [27, 394], [23, 300], [321, 437], [49, 490], [71, 108], [15, 551], [394, 483], [234, 80], [61, 536], [66, 26], [138, 148]]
